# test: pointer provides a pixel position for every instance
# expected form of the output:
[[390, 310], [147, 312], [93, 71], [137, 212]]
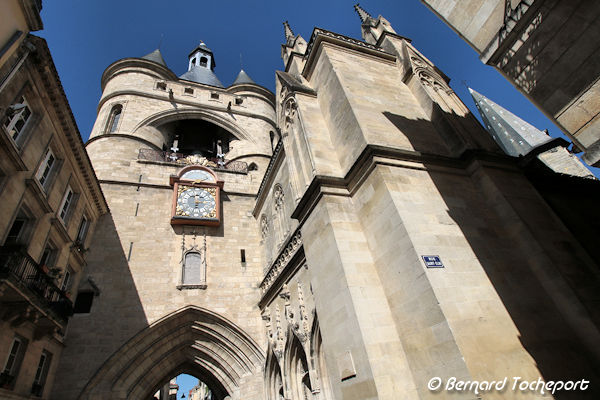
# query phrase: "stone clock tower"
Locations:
[[351, 237], [180, 160]]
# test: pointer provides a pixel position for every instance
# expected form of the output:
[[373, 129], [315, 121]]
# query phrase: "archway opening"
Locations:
[[196, 137], [191, 341], [186, 386]]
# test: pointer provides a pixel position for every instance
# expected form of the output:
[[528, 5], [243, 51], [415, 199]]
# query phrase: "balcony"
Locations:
[[31, 293], [193, 159]]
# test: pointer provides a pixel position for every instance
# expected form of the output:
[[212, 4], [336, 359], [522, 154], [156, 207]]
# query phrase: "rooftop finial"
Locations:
[[361, 13], [289, 34]]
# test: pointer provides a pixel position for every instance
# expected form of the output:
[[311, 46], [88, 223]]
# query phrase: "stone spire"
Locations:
[[289, 34], [515, 136], [364, 16]]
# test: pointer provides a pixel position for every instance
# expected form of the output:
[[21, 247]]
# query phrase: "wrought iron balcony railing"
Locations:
[[20, 268], [193, 159]]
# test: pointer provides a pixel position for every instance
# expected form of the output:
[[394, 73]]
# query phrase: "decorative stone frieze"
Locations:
[[280, 263]]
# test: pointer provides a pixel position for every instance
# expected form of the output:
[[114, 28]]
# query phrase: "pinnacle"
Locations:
[[289, 34], [362, 13]]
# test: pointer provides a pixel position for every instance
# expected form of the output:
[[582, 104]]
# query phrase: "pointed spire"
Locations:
[[362, 13], [155, 56], [289, 34], [515, 136], [242, 77]]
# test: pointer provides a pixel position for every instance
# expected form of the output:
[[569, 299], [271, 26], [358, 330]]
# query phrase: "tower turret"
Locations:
[[372, 28], [201, 65]]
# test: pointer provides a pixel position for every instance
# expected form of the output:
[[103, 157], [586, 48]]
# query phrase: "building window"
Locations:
[[238, 101], [17, 117], [83, 303], [83, 229], [37, 389], [66, 204], [161, 85], [46, 168], [203, 61], [194, 61], [115, 116], [193, 269], [13, 363], [188, 90], [48, 256], [67, 280], [214, 96], [18, 231]]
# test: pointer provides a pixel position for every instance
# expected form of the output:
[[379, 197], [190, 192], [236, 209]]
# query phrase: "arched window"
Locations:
[[203, 61], [115, 116], [194, 269]]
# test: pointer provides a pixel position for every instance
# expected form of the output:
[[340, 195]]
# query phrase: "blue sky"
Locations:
[[87, 36]]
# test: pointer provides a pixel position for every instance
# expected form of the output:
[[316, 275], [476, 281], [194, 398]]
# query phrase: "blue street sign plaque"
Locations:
[[433, 261]]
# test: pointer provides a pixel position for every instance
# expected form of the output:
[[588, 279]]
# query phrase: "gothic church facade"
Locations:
[[349, 237]]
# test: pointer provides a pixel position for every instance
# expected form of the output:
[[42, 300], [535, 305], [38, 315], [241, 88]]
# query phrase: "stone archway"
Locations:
[[191, 340]]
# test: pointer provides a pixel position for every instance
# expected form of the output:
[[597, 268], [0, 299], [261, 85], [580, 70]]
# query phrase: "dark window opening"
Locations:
[[83, 303], [115, 116], [194, 61], [48, 256], [161, 85], [203, 61], [214, 96], [238, 101], [188, 90], [243, 255], [198, 137], [252, 167]]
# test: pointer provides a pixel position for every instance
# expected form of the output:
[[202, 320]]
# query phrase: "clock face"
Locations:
[[196, 202]]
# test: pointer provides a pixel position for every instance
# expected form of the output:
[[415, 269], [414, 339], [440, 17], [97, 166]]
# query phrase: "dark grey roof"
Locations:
[[515, 136], [202, 47], [156, 57], [242, 78], [202, 75]]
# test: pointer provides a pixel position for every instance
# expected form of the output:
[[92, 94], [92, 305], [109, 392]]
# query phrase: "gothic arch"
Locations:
[[317, 359], [167, 116], [191, 340], [274, 384], [297, 369]]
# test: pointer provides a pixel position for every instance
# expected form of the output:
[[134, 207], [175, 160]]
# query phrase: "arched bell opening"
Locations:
[[193, 341], [196, 137]]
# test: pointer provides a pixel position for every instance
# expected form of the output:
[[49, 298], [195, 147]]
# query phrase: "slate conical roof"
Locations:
[[202, 75], [242, 78], [515, 136], [157, 57]]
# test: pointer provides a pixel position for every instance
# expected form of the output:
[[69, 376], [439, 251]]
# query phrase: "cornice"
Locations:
[[42, 63], [320, 36], [374, 155], [113, 68], [195, 105]]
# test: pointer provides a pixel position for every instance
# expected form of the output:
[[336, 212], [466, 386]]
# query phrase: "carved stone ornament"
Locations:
[[196, 160], [279, 197], [264, 226], [302, 328], [290, 249]]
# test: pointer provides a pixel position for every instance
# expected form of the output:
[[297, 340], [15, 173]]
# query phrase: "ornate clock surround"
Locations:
[[195, 190]]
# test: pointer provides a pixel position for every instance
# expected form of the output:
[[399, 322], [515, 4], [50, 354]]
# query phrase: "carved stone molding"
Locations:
[[280, 263]]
